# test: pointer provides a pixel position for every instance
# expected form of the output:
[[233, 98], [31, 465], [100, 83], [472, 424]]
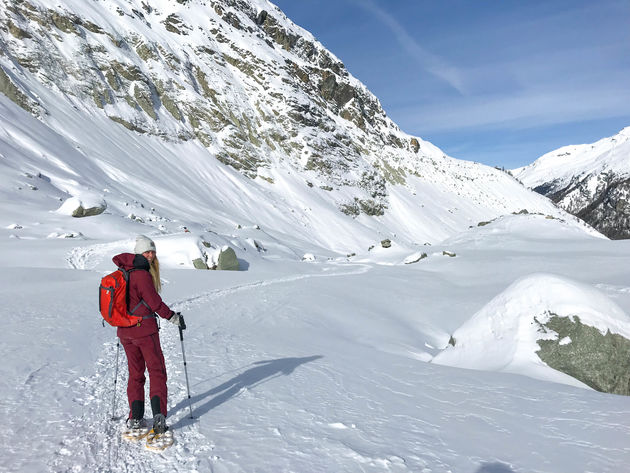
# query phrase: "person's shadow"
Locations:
[[262, 371]]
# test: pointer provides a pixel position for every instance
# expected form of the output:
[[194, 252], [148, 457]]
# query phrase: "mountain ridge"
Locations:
[[187, 87], [591, 181]]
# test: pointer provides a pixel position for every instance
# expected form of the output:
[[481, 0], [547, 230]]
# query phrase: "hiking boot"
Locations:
[[135, 424], [159, 424]]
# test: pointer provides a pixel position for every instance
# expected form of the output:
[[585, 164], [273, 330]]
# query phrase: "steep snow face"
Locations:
[[591, 181], [217, 114]]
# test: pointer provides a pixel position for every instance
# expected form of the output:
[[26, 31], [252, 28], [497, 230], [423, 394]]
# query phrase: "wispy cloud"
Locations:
[[514, 111], [431, 62]]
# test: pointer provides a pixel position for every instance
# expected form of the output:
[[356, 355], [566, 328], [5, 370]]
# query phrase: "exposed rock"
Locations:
[[605, 209], [415, 145], [227, 260], [8, 88], [88, 212], [65, 23], [199, 263], [144, 97], [276, 32], [601, 361], [372, 207], [415, 258], [174, 24], [17, 32], [128, 125], [387, 243]]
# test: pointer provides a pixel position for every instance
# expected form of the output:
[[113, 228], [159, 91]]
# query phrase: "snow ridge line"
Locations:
[[212, 295]]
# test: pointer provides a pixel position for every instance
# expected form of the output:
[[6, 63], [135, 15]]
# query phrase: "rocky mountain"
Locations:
[[591, 181], [243, 112]]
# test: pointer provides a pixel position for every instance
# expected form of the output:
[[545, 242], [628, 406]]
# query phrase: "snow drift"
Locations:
[[503, 335]]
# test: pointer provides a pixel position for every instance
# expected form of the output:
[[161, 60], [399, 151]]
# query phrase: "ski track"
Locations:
[[190, 302], [87, 257], [100, 448]]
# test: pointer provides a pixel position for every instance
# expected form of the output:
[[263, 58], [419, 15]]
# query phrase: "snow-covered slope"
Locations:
[[591, 181], [216, 114]]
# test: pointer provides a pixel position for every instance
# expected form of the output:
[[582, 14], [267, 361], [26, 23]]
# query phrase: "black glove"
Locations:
[[178, 319]]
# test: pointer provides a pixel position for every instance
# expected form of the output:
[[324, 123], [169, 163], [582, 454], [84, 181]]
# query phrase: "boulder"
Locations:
[[80, 211], [601, 361], [80, 207], [199, 263], [415, 258], [227, 260]]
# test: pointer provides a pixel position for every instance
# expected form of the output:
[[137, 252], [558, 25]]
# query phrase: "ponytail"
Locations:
[[155, 274]]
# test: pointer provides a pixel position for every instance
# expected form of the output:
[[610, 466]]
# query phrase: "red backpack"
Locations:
[[113, 300]]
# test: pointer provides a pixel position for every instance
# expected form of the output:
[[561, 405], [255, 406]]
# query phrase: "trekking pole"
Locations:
[[115, 382], [181, 339]]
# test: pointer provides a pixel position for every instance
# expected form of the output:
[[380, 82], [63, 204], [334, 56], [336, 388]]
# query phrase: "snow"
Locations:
[[319, 366], [87, 200], [326, 351], [503, 335], [179, 250], [608, 155]]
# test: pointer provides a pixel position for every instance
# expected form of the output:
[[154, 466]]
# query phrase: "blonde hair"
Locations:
[[154, 270]]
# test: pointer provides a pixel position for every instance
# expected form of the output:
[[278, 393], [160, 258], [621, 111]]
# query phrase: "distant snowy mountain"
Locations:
[[215, 114], [591, 181]]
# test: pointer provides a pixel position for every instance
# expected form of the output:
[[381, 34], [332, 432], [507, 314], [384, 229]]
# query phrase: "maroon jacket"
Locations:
[[141, 288]]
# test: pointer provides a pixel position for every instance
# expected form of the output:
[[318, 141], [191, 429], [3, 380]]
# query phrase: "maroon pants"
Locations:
[[145, 353]]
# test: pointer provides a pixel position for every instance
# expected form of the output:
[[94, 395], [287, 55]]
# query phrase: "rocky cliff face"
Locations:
[[233, 74], [590, 181], [209, 88]]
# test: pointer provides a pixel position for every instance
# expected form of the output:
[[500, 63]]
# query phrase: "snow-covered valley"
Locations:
[[311, 366], [390, 301]]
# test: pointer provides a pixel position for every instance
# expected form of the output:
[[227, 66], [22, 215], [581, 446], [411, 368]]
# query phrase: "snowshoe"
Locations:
[[136, 429], [160, 437], [161, 441]]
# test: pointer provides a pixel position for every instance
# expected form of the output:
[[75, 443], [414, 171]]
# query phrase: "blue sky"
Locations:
[[500, 82]]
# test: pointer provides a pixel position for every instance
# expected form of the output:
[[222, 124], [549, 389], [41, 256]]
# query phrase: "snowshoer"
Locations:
[[142, 341]]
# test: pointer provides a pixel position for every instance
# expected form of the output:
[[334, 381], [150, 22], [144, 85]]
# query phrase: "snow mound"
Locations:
[[180, 250], [503, 335], [86, 200]]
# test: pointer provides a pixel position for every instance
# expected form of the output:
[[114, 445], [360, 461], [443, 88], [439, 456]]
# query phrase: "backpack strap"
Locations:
[[144, 304], [126, 276]]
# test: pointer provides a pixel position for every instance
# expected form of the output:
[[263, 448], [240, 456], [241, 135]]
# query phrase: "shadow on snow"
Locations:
[[262, 371], [495, 468]]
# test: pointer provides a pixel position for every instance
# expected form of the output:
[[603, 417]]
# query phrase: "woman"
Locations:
[[142, 341]]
